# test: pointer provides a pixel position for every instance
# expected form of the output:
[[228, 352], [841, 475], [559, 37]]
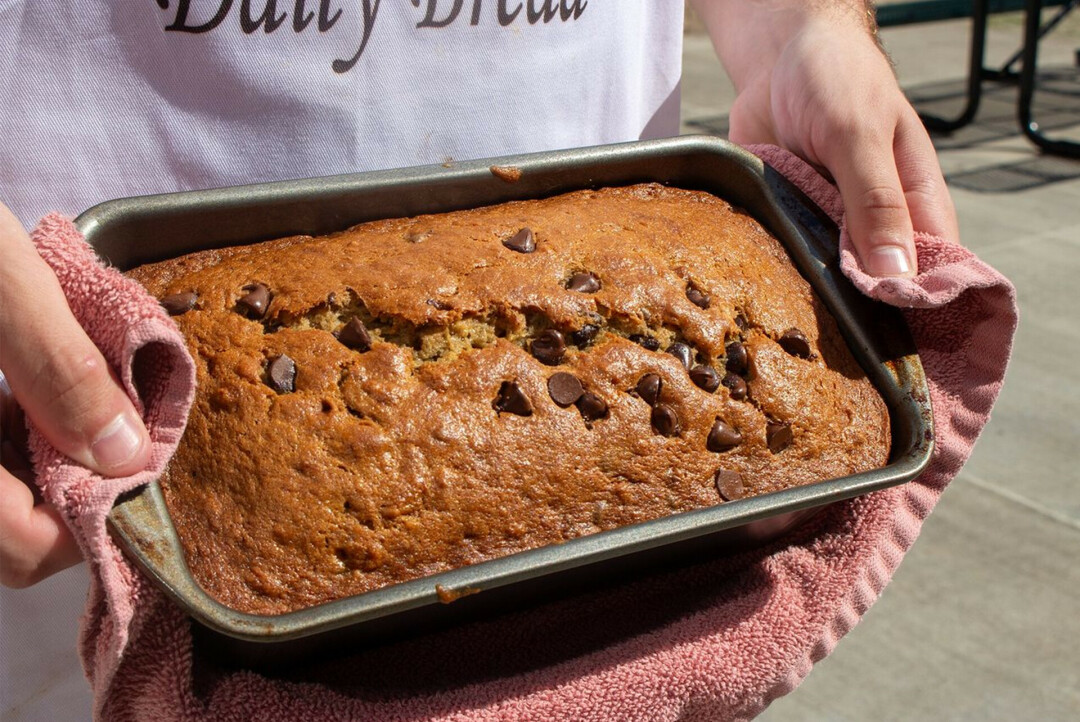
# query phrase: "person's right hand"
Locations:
[[62, 382]]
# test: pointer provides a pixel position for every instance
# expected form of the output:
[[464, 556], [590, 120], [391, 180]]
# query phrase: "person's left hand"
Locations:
[[818, 84]]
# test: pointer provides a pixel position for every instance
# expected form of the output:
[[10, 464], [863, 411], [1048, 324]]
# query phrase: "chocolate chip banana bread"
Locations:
[[410, 396]]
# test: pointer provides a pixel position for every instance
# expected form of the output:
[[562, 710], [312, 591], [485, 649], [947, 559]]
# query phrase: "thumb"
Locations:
[[56, 373], [878, 219]]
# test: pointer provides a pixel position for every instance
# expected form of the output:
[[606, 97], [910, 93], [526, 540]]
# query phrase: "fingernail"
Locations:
[[889, 261], [118, 443]]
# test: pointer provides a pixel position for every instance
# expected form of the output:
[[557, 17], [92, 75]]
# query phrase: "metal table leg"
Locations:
[[1030, 128], [1006, 71], [976, 74]]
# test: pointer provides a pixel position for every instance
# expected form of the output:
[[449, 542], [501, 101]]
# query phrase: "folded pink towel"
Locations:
[[718, 640]]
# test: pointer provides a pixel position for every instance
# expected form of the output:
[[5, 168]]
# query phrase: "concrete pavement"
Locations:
[[982, 620]]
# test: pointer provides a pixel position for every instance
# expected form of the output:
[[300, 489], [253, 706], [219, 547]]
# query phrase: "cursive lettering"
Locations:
[[300, 21], [180, 22], [506, 18], [429, 20], [437, 14], [568, 12], [545, 12], [325, 21], [269, 20], [370, 9]]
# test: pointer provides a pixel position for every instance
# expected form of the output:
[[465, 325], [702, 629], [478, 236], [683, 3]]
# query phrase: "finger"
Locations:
[[878, 219], [928, 198], [58, 376], [34, 541]]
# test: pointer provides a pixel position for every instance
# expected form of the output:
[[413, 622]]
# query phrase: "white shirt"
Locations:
[[102, 99]]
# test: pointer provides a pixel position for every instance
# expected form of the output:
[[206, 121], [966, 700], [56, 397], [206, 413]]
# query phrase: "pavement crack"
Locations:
[[1012, 496]]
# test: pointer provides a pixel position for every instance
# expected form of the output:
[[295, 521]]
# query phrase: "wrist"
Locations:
[[750, 35]]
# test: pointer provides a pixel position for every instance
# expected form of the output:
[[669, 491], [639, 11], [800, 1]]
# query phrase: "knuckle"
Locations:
[[74, 386], [883, 199], [924, 183]]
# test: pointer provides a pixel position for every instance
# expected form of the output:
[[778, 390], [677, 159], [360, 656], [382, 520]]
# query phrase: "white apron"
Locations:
[[106, 99]]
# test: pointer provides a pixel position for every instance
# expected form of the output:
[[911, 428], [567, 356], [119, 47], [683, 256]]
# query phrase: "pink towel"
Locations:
[[718, 640]]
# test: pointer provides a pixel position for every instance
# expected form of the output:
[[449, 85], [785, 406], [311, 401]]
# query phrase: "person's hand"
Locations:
[[811, 78], [61, 381]]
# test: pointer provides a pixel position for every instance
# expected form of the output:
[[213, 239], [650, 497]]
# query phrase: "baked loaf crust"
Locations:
[[414, 395]]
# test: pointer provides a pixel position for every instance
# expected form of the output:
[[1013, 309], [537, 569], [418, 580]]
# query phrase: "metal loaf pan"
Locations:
[[132, 231]]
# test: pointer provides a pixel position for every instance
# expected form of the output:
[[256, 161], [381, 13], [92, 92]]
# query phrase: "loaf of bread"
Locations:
[[410, 396]]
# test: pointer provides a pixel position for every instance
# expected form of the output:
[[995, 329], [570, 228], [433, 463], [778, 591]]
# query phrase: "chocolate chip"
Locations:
[[738, 360], [795, 343], [438, 304], [281, 374], [664, 420], [585, 334], [513, 400], [682, 352], [355, 335], [565, 389], [522, 241], [179, 303], [697, 297], [255, 302], [778, 436], [729, 485], [548, 347], [736, 385], [650, 342], [583, 283], [649, 387], [742, 323], [722, 437], [705, 377], [592, 407]]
